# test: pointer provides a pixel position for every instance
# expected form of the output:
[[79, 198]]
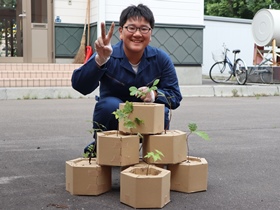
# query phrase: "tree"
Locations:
[[238, 8]]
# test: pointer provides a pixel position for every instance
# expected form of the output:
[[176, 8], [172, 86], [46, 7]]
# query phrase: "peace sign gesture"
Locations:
[[103, 46]]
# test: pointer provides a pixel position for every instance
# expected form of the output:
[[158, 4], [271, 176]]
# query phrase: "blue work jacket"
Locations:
[[116, 76]]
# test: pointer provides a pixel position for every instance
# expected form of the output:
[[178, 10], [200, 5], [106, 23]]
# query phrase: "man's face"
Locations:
[[135, 42]]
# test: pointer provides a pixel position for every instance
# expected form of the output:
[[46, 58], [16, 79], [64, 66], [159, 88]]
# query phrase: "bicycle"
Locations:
[[262, 71], [223, 69]]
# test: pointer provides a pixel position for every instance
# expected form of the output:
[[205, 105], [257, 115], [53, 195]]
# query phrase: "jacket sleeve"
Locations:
[[86, 78], [168, 89]]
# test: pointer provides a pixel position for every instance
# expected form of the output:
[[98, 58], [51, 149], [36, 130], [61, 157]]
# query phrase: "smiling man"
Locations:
[[131, 62]]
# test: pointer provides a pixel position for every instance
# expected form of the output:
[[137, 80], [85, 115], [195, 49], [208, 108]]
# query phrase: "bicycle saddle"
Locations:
[[236, 51]]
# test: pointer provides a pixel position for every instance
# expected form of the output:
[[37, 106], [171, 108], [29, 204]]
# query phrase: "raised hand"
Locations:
[[103, 46], [148, 95]]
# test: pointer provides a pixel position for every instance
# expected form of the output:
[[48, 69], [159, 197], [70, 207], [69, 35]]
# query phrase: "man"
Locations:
[[131, 62]]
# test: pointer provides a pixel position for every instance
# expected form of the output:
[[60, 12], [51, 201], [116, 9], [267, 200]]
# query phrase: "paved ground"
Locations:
[[38, 136]]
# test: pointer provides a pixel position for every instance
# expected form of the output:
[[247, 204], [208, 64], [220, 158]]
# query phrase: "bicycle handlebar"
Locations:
[[225, 48]]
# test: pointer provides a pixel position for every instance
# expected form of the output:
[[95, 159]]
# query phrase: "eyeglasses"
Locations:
[[133, 29]]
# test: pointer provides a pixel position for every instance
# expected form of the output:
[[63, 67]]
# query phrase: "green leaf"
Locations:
[[156, 82], [148, 155], [119, 114], [129, 124], [138, 121], [159, 93], [153, 88], [159, 152], [128, 107], [133, 90], [100, 127], [140, 93], [202, 134], [155, 155], [86, 155], [192, 127]]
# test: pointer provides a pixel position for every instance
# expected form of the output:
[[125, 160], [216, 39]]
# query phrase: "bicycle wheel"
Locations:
[[266, 77], [220, 72], [241, 72]]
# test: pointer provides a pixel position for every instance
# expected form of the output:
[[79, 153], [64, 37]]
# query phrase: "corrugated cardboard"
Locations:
[[172, 144], [83, 178], [151, 113], [190, 175], [117, 149], [139, 190]]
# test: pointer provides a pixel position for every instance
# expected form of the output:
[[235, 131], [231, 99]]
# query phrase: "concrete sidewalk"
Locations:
[[207, 89]]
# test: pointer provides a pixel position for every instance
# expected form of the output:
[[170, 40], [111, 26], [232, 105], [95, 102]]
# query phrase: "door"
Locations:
[[26, 31]]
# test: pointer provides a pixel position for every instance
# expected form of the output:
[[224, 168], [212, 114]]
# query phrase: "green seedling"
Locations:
[[155, 155], [91, 149], [134, 91], [99, 128], [193, 130], [123, 114], [90, 153]]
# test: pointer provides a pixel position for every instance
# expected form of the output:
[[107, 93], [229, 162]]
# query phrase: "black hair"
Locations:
[[140, 11]]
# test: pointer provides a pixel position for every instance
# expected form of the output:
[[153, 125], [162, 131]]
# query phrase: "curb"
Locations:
[[187, 91], [230, 91], [42, 93]]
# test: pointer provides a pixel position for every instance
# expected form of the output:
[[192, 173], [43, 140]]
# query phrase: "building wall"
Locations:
[[180, 33], [189, 12], [74, 13], [184, 44]]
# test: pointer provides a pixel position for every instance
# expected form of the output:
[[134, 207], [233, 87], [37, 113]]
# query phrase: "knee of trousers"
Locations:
[[104, 108], [107, 105]]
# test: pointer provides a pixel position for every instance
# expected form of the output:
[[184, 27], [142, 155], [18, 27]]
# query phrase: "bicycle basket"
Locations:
[[218, 55]]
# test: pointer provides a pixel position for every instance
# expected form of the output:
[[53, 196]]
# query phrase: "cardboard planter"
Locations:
[[151, 113], [189, 176], [139, 190], [116, 149], [83, 178], [172, 144]]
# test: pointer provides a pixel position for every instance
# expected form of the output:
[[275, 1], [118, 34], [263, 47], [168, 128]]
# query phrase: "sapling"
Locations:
[[91, 148], [123, 114], [99, 128], [134, 91], [90, 153], [155, 155], [193, 130]]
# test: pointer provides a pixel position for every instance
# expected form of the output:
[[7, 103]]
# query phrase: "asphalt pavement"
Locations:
[[38, 136]]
